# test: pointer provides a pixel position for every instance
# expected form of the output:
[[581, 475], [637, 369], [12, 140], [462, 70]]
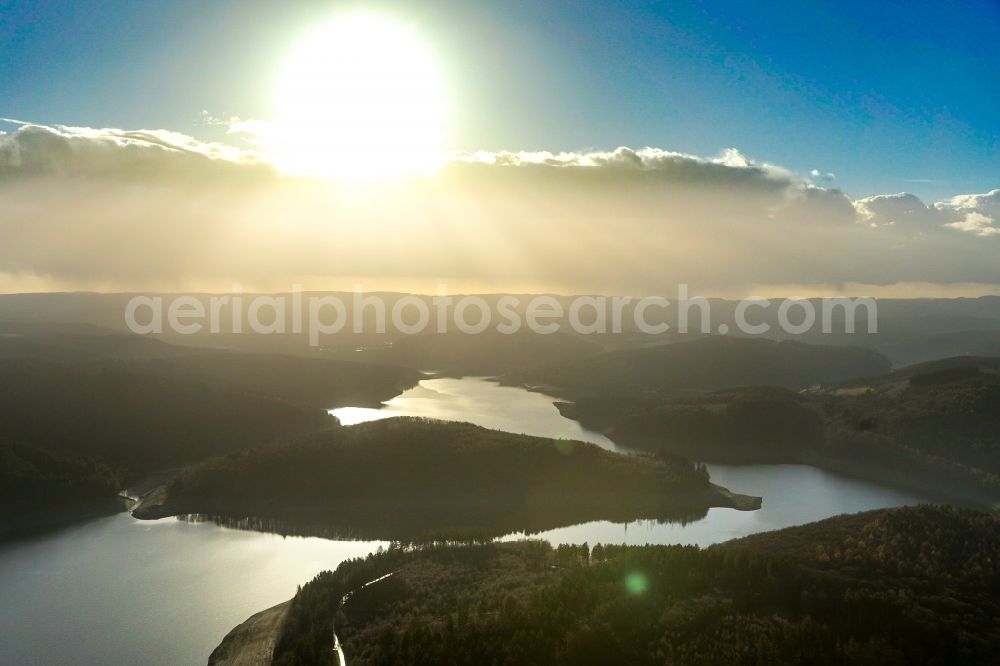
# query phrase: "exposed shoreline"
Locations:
[[251, 643]]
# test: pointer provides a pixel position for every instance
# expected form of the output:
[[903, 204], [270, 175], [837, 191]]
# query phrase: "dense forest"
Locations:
[[938, 426], [945, 418], [910, 585], [308, 383], [736, 425], [135, 419], [315, 383], [31, 477], [33, 481], [76, 401], [705, 364], [410, 477]]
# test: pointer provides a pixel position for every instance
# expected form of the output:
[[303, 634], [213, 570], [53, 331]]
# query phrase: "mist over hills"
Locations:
[[127, 404], [909, 330], [139, 402]]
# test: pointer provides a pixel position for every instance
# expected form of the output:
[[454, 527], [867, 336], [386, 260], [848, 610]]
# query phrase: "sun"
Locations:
[[360, 98]]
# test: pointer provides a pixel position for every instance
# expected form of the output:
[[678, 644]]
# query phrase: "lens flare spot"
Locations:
[[636, 583]]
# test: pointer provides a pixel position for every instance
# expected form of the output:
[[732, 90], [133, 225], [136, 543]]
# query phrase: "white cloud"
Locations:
[[43, 150], [978, 224], [128, 209], [902, 209], [976, 214]]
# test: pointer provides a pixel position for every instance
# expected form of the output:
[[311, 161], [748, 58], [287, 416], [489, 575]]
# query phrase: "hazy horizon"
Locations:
[[476, 331], [917, 291], [389, 146]]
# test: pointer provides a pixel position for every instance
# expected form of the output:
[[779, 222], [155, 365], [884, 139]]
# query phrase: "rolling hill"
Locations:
[[407, 477], [704, 364]]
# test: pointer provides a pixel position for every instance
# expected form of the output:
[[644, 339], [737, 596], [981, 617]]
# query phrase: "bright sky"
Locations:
[[614, 147], [888, 96]]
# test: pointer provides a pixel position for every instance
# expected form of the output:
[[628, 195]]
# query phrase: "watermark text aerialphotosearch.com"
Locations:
[[319, 315]]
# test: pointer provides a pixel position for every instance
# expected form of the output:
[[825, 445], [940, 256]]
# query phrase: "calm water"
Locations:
[[793, 495], [480, 401], [121, 591], [117, 590]]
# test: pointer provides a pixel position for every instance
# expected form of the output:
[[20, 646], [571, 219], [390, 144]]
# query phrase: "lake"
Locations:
[[480, 401], [118, 590]]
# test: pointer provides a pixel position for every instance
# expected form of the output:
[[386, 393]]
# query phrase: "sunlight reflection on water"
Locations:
[[482, 402]]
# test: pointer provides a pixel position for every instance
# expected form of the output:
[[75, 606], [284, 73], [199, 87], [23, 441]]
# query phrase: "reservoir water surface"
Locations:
[[117, 590]]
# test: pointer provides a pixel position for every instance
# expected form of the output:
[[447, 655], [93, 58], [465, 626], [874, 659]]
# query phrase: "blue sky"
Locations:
[[888, 96]]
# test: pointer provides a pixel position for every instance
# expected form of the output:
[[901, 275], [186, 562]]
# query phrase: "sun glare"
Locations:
[[360, 98]]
